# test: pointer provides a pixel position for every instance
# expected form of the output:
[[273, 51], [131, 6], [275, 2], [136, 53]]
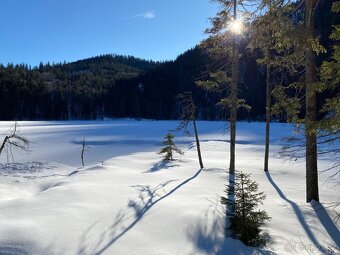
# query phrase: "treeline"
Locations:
[[78, 90], [118, 86]]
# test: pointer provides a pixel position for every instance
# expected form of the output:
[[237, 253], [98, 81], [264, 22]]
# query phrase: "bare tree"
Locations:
[[14, 140], [84, 147], [188, 117]]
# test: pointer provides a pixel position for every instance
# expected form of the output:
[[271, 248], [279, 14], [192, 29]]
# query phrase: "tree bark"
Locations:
[[233, 96], [312, 189], [198, 145]]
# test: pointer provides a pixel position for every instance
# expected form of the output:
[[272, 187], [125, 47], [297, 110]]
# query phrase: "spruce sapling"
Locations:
[[245, 218], [169, 147]]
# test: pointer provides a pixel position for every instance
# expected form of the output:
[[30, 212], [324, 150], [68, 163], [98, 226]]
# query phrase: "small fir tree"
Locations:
[[242, 201], [169, 147]]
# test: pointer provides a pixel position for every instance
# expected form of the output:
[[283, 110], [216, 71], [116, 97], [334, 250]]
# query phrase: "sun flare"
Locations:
[[236, 26]]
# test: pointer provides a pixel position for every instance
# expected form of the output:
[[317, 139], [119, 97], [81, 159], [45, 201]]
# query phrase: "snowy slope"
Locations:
[[125, 203]]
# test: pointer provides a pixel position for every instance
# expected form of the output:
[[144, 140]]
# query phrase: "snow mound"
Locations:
[[25, 179]]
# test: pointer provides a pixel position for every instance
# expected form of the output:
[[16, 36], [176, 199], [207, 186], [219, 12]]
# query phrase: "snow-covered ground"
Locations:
[[124, 202]]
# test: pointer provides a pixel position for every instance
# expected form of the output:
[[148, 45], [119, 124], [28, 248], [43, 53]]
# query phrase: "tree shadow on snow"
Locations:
[[118, 142], [327, 222], [161, 165], [298, 214], [124, 221], [207, 232], [241, 142]]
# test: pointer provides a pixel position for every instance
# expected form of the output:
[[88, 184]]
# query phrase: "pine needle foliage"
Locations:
[[169, 148], [330, 76], [242, 201]]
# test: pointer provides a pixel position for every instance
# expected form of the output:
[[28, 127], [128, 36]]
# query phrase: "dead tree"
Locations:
[[83, 149], [188, 117], [14, 140]]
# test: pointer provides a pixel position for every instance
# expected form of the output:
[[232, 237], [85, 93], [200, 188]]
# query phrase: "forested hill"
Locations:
[[109, 86], [63, 91], [123, 65]]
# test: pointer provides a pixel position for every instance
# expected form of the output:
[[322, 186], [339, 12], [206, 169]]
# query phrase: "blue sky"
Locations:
[[67, 30]]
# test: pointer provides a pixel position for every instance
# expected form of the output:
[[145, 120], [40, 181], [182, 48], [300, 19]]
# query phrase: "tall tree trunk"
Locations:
[[312, 189], [268, 117], [233, 95], [198, 145]]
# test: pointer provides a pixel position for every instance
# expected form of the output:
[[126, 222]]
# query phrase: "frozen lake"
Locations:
[[60, 141]]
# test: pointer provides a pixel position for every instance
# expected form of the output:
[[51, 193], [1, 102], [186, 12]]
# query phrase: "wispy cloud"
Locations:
[[145, 15]]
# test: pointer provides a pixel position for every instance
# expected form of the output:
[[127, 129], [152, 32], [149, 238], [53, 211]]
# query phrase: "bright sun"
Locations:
[[236, 26]]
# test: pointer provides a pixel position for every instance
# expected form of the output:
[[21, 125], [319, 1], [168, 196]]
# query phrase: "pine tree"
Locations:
[[266, 36], [224, 38], [312, 190], [169, 148], [330, 76], [305, 43], [245, 219]]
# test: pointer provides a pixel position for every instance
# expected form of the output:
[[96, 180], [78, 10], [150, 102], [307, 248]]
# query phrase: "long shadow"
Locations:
[[159, 166], [242, 142], [140, 211], [207, 232], [327, 222], [297, 212], [135, 142], [118, 142]]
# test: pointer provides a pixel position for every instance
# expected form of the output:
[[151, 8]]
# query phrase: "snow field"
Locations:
[[125, 203]]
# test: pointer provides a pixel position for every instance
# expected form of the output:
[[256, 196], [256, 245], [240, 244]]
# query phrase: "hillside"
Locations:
[[108, 86], [66, 90]]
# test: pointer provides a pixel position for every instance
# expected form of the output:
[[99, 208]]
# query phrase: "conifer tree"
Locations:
[[224, 39], [304, 43], [169, 148], [312, 188], [245, 219], [330, 76], [271, 35]]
